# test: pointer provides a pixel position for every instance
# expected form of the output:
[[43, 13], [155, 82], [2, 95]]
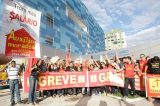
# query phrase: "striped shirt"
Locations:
[[13, 72]]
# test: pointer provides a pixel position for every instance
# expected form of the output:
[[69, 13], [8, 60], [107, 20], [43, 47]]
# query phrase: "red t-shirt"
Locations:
[[129, 70], [142, 64]]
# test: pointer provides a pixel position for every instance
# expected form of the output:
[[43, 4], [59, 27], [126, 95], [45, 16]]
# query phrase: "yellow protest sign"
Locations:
[[154, 85], [3, 76]]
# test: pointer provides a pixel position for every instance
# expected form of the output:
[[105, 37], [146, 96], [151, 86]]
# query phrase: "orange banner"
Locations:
[[153, 85]]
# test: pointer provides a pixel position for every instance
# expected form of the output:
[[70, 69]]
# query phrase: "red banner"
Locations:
[[58, 80], [153, 85], [20, 43]]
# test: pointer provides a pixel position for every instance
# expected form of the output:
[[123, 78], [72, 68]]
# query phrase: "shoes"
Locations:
[[33, 103], [68, 95], [75, 94], [12, 104], [53, 96], [60, 95], [149, 99]]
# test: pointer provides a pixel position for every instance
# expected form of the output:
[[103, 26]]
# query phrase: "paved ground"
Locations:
[[81, 101]]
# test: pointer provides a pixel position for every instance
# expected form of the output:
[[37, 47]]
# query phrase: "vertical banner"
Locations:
[[153, 85], [20, 30], [68, 50]]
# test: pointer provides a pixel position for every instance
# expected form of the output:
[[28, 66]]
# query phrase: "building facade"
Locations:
[[66, 23], [115, 40]]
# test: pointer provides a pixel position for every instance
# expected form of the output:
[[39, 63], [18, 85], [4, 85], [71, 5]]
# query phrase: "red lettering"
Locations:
[[22, 19]]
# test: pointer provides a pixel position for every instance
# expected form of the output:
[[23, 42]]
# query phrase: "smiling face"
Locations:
[[128, 60], [124, 60]]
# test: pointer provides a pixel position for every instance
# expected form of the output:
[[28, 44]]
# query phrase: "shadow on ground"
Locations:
[[72, 99], [103, 103], [156, 102], [83, 101]]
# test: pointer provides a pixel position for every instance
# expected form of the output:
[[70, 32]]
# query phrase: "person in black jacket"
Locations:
[[153, 65], [33, 78]]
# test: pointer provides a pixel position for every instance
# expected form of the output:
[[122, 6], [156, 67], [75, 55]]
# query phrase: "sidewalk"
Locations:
[[80, 100]]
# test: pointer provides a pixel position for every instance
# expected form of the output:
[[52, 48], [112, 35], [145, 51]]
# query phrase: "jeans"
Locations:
[[14, 86], [128, 81], [32, 89]]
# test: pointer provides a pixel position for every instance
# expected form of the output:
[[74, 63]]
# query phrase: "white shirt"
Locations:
[[12, 72]]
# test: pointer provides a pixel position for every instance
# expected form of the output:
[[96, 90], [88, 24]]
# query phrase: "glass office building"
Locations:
[[66, 23]]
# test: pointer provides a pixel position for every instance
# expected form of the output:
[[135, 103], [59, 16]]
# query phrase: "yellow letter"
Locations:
[[58, 80], [11, 36], [102, 77], [42, 81], [72, 79], [65, 79], [50, 80]]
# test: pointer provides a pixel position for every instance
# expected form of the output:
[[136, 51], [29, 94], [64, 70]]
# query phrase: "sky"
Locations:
[[139, 19]]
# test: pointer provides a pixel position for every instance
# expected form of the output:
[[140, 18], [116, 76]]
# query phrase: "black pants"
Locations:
[[71, 91], [131, 82]]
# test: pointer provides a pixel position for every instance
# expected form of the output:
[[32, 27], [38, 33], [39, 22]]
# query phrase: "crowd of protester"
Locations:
[[129, 65]]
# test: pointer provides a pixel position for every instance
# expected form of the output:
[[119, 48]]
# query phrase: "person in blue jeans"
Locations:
[[33, 78], [13, 75]]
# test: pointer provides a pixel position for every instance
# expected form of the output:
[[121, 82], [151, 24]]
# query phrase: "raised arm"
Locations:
[[117, 58], [97, 64], [133, 58], [122, 69], [106, 58]]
